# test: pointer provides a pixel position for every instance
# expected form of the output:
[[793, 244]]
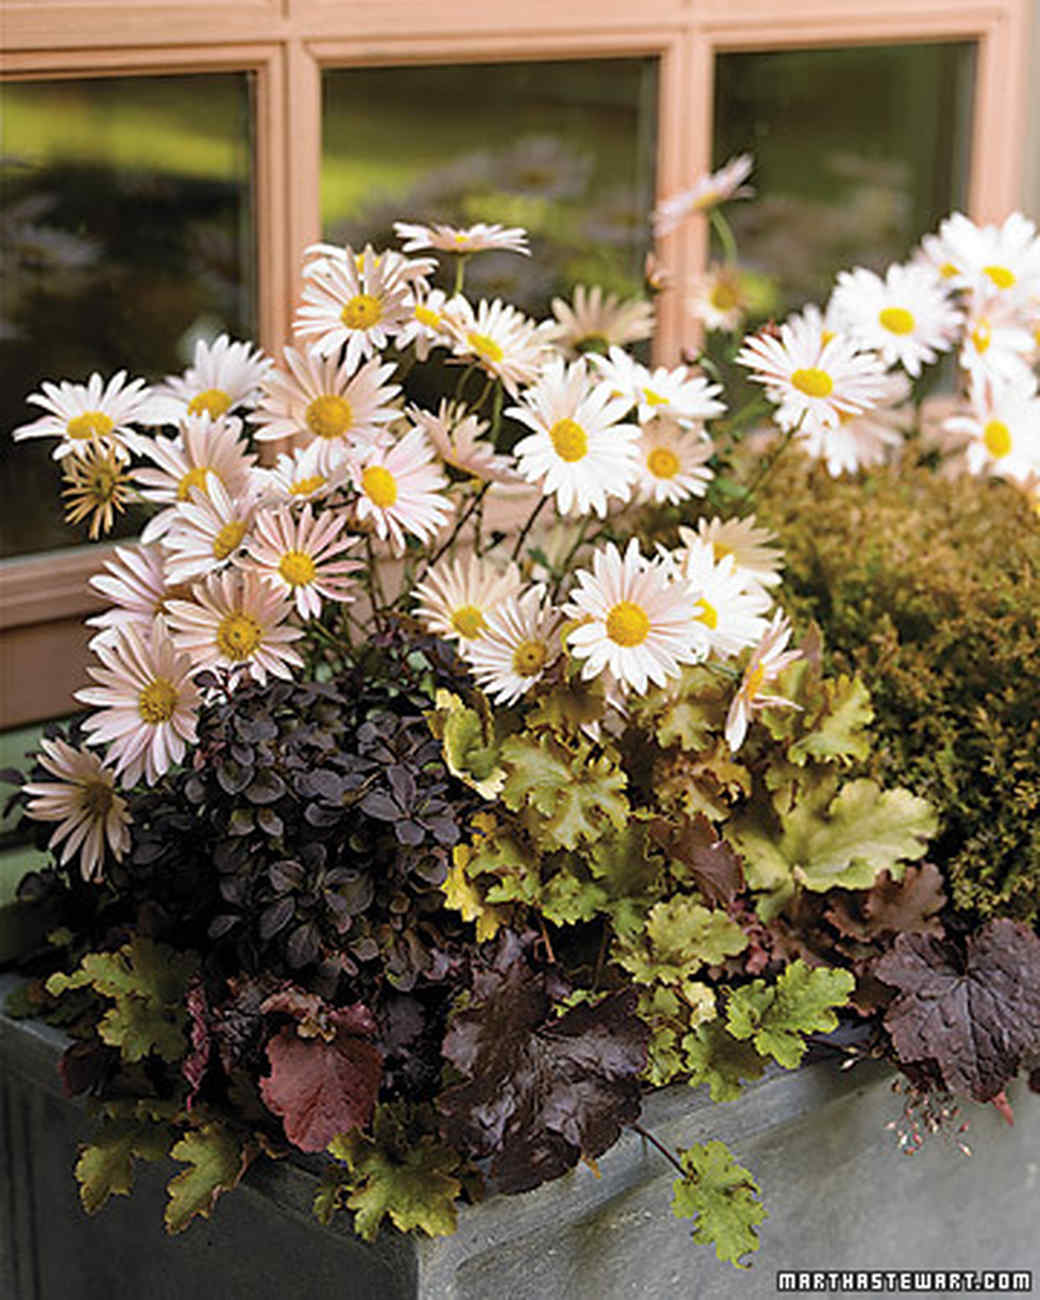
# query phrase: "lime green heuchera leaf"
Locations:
[[720, 1195], [713, 1056], [671, 1012], [148, 982], [566, 795], [775, 1017], [106, 1165], [839, 732], [468, 739], [680, 936], [216, 1161], [689, 713]]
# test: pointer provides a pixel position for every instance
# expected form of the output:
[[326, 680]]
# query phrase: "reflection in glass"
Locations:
[[858, 153], [565, 150], [126, 231]]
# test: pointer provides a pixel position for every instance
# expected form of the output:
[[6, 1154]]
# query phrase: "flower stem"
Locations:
[[460, 274], [724, 231], [647, 1136], [527, 527]]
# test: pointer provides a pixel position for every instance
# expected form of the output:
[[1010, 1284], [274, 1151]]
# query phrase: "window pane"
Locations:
[[127, 227], [858, 153], [565, 149]]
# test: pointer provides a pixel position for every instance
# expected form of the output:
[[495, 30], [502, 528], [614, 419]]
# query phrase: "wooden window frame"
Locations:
[[287, 44]]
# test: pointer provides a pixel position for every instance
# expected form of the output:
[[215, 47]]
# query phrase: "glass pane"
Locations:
[[858, 153], [126, 224], [565, 149]]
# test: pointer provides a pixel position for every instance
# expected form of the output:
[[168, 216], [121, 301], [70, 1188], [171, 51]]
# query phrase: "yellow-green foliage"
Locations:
[[930, 588]]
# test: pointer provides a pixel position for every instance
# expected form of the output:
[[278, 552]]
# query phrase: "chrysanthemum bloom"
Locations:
[[581, 449], [79, 414], [705, 192], [1003, 432], [298, 556], [414, 271], [718, 299], [997, 348], [672, 463], [859, 441], [461, 239], [344, 407], [677, 393], [596, 321], [207, 531], [344, 306], [636, 622], [100, 485], [400, 489], [456, 436], [224, 375], [520, 642], [426, 327], [767, 662], [136, 585], [907, 317], [757, 559], [501, 340], [298, 477], [814, 376], [457, 596], [147, 701], [83, 800], [996, 261], [203, 447], [728, 611], [236, 620]]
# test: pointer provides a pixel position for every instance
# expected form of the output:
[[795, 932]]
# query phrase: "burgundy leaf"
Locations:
[[709, 861], [908, 906], [196, 1062]]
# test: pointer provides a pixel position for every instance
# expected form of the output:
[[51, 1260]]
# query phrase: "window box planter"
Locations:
[[839, 1193]]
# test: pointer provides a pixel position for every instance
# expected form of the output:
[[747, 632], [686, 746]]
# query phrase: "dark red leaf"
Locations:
[[195, 1063], [709, 862]]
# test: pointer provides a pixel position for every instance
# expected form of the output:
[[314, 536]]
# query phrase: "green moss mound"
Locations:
[[931, 588]]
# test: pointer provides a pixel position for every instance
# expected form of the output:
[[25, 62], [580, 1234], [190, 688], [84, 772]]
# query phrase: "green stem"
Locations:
[[565, 563], [527, 528], [460, 274], [770, 464], [496, 413], [462, 380], [724, 231], [459, 525], [647, 1136]]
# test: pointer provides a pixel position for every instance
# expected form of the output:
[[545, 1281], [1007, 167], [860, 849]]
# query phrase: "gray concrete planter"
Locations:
[[840, 1196]]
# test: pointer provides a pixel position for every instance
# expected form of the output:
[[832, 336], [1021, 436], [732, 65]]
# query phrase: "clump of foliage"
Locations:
[[929, 587]]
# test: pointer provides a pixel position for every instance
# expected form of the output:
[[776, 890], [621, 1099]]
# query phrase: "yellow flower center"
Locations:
[[754, 680], [485, 347], [157, 702], [305, 486], [362, 312], [238, 636], [468, 621], [529, 658], [947, 270], [897, 320], [297, 568], [195, 478], [723, 296], [706, 614], [997, 437], [654, 399], [329, 416], [628, 624], [425, 316], [982, 335], [569, 440], [720, 550], [1002, 276], [91, 424], [598, 343], [380, 486], [813, 382], [228, 539], [96, 799], [214, 401], [103, 483], [663, 463]]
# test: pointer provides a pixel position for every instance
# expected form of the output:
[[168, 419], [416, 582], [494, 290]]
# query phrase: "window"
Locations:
[[329, 86]]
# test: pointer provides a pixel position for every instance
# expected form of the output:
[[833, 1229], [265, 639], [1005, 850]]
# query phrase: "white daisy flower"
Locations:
[[768, 660], [672, 462], [993, 261], [147, 701], [343, 306], [996, 348], [298, 557], [400, 490], [756, 558], [859, 441], [520, 642], [907, 317], [581, 452], [717, 298], [84, 802], [813, 375], [236, 619], [298, 476], [207, 531], [728, 612], [414, 271], [635, 621], [1003, 432], [223, 375], [705, 192], [596, 321], [136, 584], [677, 393], [501, 340], [426, 327], [344, 407], [80, 414], [204, 447], [456, 239], [456, 597], [99, 485], [455, 435]]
